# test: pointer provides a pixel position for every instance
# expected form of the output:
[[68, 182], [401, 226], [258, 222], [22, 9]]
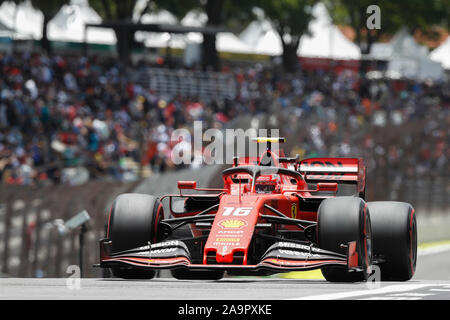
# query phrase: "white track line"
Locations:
[[391, 298], [440, 290], [433, 250], [385, 290], [381, 291]]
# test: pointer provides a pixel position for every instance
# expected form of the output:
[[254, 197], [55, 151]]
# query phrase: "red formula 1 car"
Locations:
[[274, 214]]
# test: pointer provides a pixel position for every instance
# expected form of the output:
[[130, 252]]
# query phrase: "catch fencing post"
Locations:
[[80, 220]]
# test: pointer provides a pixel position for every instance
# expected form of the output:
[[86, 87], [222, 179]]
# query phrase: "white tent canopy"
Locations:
[[194, 18], [262, 38], [69, 25], [5, 31], [157, 39], [225, 41], [442, 54], [162, 16], [407, 58], [402, 44], [229, 42], [326, 40], [25, 20]]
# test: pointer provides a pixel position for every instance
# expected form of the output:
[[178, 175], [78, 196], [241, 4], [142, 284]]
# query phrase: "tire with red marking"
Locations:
[[133, 223], [394, 231], [342, 220]]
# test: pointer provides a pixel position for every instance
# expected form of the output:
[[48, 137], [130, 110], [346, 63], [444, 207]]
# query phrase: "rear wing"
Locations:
[[339, 170]]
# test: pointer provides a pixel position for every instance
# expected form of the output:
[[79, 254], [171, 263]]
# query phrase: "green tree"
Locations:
[[214, 9], [122, 12], [290, 18], [15, 1], [178, 8], [49, 9], [413, 14], [220, 13], [113, 10], [119, 12]]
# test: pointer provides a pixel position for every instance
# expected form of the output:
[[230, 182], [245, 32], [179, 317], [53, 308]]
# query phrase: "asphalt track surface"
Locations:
[[431, 281]]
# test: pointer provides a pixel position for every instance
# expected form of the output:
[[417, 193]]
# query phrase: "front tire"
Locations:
[[341, 220], [133, 223]]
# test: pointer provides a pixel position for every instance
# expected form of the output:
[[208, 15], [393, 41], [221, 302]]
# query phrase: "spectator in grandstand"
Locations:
[[63, 115]]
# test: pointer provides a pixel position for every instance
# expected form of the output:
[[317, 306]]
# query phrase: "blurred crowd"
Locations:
[[68, 119], [402, 125]]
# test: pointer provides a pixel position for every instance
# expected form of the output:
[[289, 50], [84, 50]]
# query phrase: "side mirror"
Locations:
[[187, 185], [326, 186]]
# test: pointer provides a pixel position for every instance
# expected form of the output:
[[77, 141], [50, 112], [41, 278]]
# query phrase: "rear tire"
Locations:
[[183, 274], [341, 220], [394, 231], [132, 223]]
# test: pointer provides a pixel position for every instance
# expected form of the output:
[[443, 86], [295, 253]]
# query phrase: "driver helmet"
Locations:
[[266, 183]]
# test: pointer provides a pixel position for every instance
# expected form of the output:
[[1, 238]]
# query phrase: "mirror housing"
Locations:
[[187, 185], [327, 186]]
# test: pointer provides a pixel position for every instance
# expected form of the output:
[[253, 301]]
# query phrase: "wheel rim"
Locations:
[[367, 242], [413, 244]]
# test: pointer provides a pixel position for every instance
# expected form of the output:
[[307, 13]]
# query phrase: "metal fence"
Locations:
[[32, 240], [194, 84], [428, 195]]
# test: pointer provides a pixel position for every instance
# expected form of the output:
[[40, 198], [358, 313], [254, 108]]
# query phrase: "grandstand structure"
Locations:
[[206, 85]]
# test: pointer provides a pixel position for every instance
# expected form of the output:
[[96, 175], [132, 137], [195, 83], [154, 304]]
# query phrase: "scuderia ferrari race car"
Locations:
[[274, 214]]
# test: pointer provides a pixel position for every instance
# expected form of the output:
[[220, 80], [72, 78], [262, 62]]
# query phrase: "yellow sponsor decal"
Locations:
[[232, 223], [294, 211], [228, 239], [270, 139]]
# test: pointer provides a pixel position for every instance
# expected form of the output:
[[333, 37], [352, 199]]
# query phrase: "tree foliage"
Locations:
[[219, 13], [15, 1], [394, 15], [121, 12], [412, 14], [291, 19], [49, 9], [114, 10], [178, 8]]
